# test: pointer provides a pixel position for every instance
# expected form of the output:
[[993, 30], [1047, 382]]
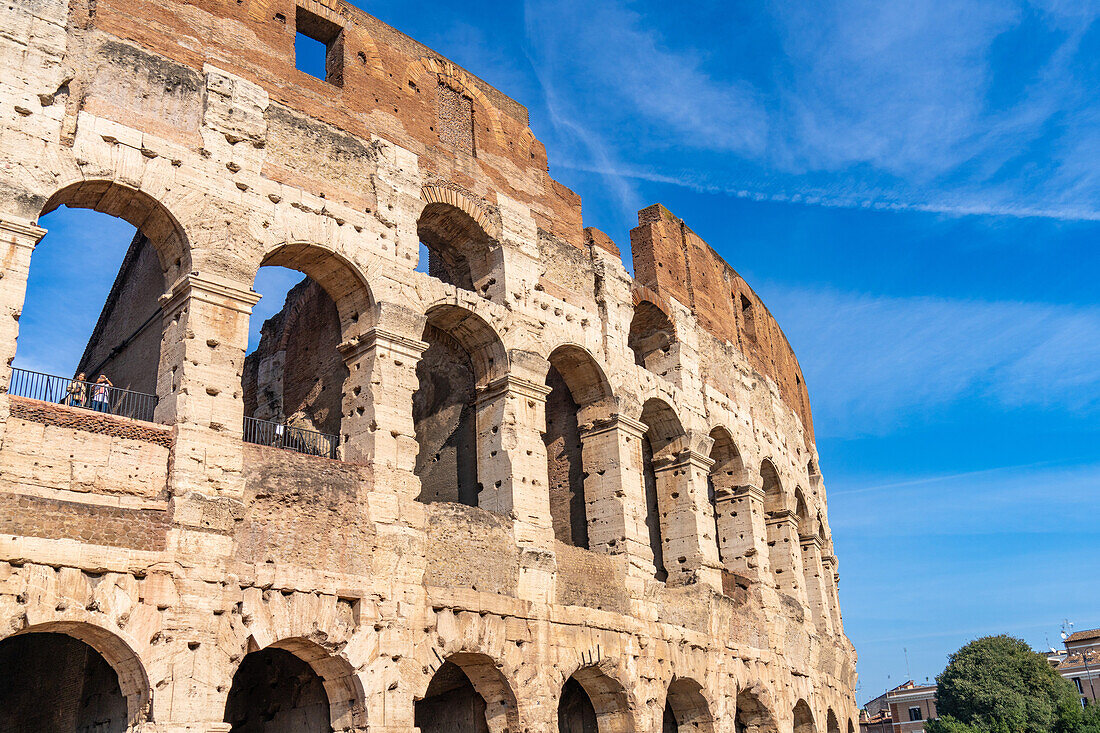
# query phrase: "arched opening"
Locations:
[[803, 718], [851, 726], [725, 476], [463, 354], [92, 301], [651, 338], [832, 725], [773, 489], [686, 709], [467, 694], [592, 702], [752, 715], [579, 394], [460, 251], [662, 441], [802, 513], [51, 680], [293, 686], [294, 373]]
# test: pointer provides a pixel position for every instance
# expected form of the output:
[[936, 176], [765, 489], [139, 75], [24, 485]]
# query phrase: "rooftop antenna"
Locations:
[[908, 674]]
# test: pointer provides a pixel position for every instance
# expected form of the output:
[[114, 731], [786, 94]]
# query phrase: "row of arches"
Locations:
[[79, 677], [700, 513]]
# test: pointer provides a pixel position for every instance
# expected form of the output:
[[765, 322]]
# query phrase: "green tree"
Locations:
[[997, 684]]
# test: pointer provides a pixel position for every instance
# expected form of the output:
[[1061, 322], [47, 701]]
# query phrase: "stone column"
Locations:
[[816, 582], [17, 243], [832, 577], [687, 526], [511, 471], [377, 425], [742, 531], [199, 391], [784, 554], [511, 457], [611, 453]]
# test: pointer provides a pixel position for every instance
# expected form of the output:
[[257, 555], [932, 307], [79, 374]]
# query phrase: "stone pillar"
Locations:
[[816, 582], [199, 391], [377, 425], [611, 453], [511, 472], [17, 243], [687, 526], [783, 553], [511, 457], [742, 531], [832, 578]]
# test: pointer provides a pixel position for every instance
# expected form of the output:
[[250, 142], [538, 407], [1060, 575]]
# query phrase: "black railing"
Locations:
[[86, 395], [278, 435]]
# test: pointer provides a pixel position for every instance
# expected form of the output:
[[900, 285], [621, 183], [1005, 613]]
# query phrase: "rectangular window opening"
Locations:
[[915, 714], [747, 318], [319, 47]]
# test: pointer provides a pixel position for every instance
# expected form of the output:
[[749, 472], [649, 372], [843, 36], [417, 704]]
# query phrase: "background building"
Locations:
[[904, 709], [1081, 664]]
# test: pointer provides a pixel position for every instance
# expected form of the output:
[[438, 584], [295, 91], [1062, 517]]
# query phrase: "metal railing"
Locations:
[[278, 435], [86, 395]]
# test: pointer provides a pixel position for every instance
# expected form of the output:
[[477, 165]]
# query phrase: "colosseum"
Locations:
[[501, 486]]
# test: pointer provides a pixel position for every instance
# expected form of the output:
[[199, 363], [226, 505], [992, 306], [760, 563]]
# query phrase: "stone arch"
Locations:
[[609, 700], [476, 336], [462, 240], [118, 654], [145, 212], [686, 708], [579, 395], [129, 341], [725, 476], [774, 498], [464, 356], [322, 688], [802, 513], [851, 726], [752, 714], [820, 527], [803, 718], [467, 693], [299, 373], [832, 725], [652, 332], [341, 280], [447, 72], [663, 440]]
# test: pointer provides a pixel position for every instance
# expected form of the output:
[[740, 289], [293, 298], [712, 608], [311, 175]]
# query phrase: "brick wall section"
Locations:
[[390, 88], [673, 261], [87, 421], [32, 516]]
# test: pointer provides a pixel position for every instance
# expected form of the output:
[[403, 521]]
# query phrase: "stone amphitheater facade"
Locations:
[[565, 498]]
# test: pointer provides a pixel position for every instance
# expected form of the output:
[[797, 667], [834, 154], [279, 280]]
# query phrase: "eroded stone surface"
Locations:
[[174, 551]]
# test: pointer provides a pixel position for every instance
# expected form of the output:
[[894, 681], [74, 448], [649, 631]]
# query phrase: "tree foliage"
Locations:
[[997, 684]]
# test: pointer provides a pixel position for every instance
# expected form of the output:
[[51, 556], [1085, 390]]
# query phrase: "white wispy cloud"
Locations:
[[879, 104], [872, 361]]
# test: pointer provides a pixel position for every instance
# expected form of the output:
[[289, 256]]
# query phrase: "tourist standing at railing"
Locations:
[[101, 394], [78, 391]]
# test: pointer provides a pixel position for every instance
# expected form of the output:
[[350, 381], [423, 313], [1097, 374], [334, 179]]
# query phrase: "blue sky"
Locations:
[[912, 187]]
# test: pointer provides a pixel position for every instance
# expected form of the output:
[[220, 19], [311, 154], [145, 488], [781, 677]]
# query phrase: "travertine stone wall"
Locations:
[[178, 552]]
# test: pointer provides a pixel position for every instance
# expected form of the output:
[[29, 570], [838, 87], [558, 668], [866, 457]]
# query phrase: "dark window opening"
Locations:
[[748, 319], [445, 420], [319, 47], [915, 714], [52, 682], [652, 511], [276, 692], [575, 711], [564, 463], [450, 704]]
